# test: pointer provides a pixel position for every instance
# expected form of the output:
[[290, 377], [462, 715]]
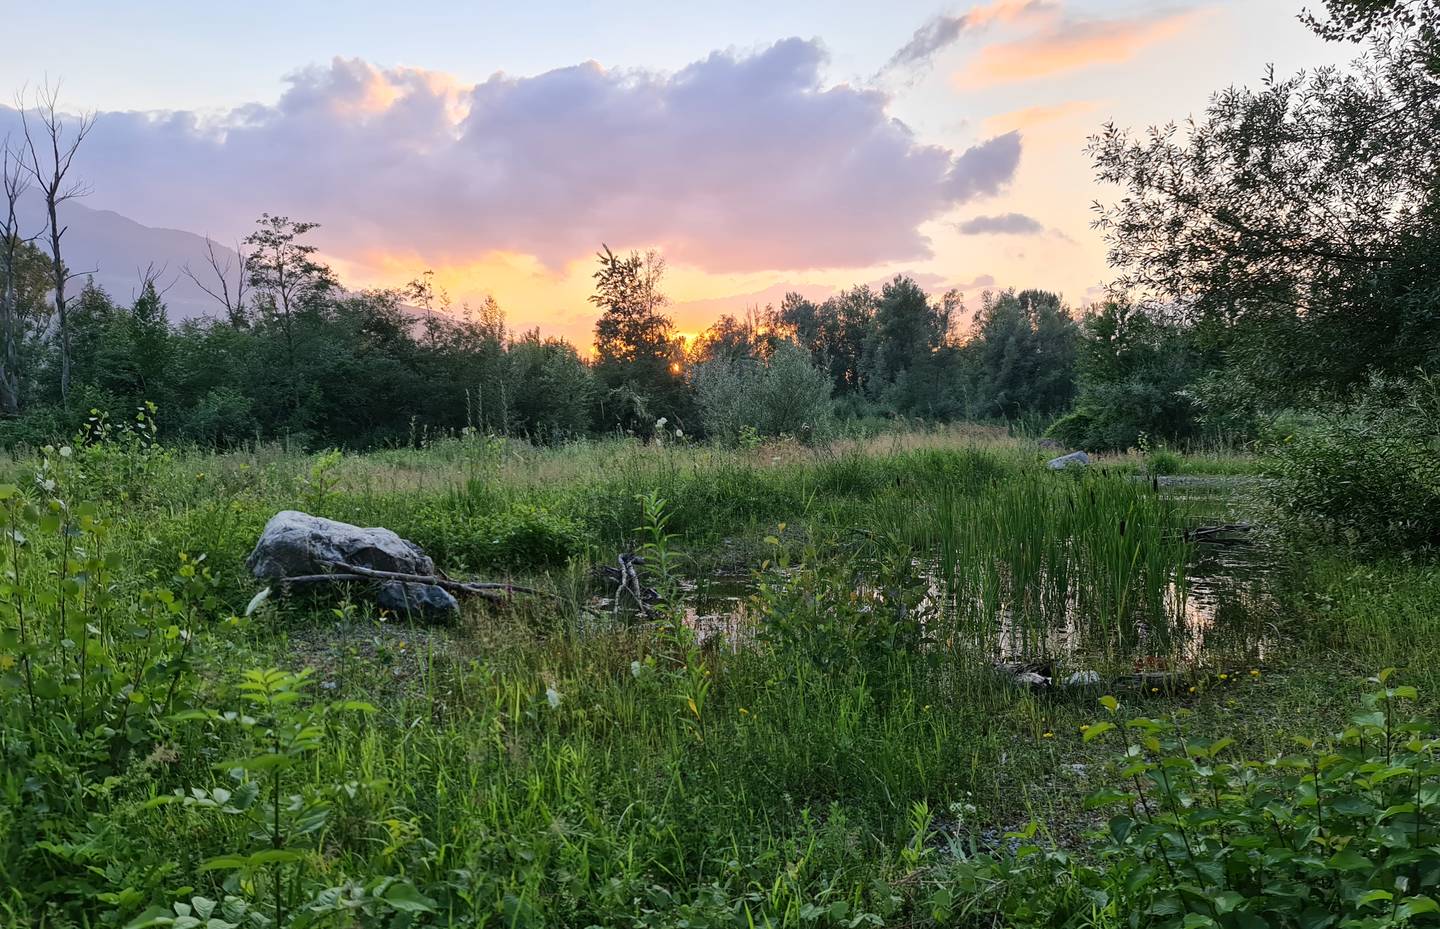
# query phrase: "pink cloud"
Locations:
[[737, 162]]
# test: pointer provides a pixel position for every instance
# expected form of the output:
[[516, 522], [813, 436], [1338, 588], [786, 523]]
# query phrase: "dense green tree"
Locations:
[[25, 313], [23, 280], [905, 331], [639, 363], [1304, 215], [909, 363], [1138, 368], [288, 282], [122, 353], [836, 333], [1022, 348], [552, 388]]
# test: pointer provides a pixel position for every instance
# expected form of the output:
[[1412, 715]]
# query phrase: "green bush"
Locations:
[[1344, 832], [521, 536], [1162, 461], [1369, 473], [1159, 460], [783, 395]]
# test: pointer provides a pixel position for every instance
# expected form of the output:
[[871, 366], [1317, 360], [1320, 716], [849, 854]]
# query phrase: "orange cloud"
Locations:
[[1030, 118], [1070, 46]]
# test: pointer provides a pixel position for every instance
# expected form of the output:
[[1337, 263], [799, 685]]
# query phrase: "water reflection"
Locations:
[[1207, 616]]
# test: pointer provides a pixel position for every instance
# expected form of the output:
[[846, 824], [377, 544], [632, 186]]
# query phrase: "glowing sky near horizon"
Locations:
[[762, 148]]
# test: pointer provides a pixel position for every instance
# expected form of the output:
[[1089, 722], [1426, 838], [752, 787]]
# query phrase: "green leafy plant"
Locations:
[[122, 459], [1340, 832], [282, 808], [318, 486]]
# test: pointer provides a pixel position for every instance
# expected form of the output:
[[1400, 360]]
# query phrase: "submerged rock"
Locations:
[[422, 601], [1036, 675], [1074, 459], [295, 544]]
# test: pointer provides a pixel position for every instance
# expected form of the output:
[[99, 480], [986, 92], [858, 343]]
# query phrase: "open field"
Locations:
[[811, 729]]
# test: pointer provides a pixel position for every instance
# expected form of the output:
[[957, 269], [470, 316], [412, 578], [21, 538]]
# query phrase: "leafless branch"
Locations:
[[219, 290], [150, 277]]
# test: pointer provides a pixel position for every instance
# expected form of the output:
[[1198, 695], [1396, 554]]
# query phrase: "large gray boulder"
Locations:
[[295, 544], [1072, 460]]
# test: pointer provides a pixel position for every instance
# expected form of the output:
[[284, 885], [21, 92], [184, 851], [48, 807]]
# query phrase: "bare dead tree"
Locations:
[[151, 278], [51, 147], [14, 182], [220, 289]]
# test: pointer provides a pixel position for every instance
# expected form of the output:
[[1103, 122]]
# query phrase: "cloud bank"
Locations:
[[737, 162], [1004, 224]]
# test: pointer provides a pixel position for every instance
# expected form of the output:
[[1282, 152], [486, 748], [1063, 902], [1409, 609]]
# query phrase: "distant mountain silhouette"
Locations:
[[115, 250]]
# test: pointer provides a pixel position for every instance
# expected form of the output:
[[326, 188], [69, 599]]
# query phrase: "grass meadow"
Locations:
[[178, 754]]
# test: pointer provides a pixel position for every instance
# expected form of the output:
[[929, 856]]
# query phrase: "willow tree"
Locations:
[[1303, 214]]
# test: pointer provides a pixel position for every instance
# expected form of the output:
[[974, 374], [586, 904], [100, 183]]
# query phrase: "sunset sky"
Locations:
[[762, 147]]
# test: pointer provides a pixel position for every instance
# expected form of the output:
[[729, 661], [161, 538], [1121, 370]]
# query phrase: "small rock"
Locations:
[[1031, 679], [1083, 679], [424, 601], [1049, 445], [1074, 459]]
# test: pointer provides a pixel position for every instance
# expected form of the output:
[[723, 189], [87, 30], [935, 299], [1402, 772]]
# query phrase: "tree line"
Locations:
[[1275, 254], [290, 354]]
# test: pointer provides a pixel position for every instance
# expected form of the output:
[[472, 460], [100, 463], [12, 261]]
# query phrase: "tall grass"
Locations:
[[1041, 565]]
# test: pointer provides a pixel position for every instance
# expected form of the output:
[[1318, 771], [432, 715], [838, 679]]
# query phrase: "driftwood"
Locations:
[[1220, 535], [627, 583], [495, 592]]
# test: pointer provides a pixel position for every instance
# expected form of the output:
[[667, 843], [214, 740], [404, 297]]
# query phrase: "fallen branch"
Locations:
[[493, 591]]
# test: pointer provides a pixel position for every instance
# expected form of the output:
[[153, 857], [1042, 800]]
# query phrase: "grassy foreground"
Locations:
[[171, 760]]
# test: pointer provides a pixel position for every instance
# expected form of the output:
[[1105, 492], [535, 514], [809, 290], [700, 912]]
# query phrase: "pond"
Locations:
[[1211, 610]]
